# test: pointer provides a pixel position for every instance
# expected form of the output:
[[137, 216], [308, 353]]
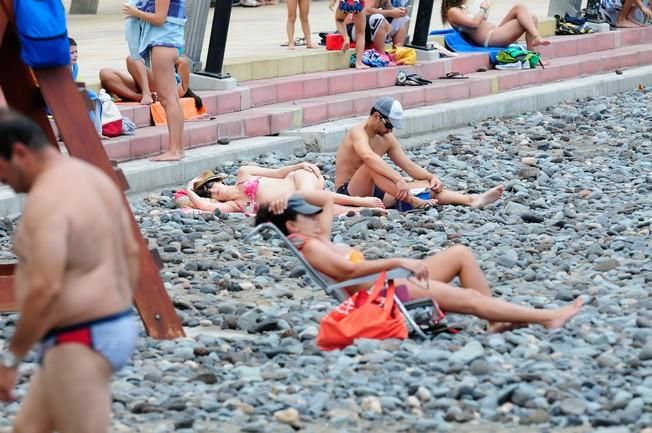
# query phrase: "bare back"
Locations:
[[99, 250], [347, 161]]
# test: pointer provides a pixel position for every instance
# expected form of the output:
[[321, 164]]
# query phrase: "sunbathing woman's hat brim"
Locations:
[[206, 177]]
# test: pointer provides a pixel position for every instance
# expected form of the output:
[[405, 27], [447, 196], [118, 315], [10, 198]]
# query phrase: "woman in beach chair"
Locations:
[[254, 185], [306, 219], [472, 22]]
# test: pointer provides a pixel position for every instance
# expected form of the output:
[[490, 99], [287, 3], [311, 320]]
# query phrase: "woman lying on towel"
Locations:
[[306, 218], [256, 185], [473, 23]]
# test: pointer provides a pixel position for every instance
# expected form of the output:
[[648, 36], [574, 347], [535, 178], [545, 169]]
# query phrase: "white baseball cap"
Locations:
[[391, 109]]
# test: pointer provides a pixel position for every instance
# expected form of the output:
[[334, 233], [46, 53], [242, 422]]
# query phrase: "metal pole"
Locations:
[[422, 25], [217, 45], [197, 13]]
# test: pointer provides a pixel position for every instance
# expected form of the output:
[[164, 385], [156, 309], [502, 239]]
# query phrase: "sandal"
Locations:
[[298, 42], [403, 79], [454, 76]]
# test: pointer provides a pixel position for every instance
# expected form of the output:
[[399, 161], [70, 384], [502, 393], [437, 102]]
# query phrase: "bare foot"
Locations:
[[146, 99], [291, 45], [311, 45], [478, 201], [497, 327], [168, 156], [561, 315], [346, 45], [538, 40], [626, 24], [369, 202], [361, 66]]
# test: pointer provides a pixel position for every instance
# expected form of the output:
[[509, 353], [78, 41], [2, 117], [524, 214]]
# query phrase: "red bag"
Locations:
[[363, 315]]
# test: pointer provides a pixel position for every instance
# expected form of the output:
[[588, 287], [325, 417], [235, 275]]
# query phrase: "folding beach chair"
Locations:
[[338, 290]]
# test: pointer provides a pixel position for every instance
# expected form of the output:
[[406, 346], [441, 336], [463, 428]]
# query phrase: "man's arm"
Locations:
[[132, 251], [385, 8], [43, 268], [372, 159], [399, 157]]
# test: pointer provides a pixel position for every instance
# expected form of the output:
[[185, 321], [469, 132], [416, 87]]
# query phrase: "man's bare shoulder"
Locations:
[[355, 133], [66, 187]]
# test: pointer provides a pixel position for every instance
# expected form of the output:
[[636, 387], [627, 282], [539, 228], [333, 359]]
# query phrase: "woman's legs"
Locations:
[[304, 11], [292, 18], [183, 69], [517, 21], [163, 60], [359, 27], [120, 84], [340, 25], [502, 315], [137, 69], [624, 17], [458, 261], [477, 201], [475, 298], [307, 181]]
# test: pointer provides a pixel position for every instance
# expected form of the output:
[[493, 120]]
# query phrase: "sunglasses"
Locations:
[[386, 122]]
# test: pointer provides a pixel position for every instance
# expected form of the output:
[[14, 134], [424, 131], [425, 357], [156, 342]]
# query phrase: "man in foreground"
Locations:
[[361, 171], [74, 281]]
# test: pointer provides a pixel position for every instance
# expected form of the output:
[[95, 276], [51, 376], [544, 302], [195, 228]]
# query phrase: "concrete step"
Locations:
[[144, 175], [339, 101], [263, 92]]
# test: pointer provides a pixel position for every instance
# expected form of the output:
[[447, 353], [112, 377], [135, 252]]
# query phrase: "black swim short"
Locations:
[[377, 192]]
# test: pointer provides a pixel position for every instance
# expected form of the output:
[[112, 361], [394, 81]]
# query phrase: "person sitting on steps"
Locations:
[[518, 20], [625, 17], [307, 217], [387, 23], [351, 11], [138, 83]]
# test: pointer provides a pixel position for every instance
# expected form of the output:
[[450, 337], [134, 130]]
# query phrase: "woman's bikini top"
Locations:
[[299, 240], [250, 188]]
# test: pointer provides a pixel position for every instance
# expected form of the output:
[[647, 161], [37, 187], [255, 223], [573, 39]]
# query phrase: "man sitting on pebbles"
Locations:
[[360, 169]]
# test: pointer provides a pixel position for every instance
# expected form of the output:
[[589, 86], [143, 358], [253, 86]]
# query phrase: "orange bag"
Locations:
[[363, 315]]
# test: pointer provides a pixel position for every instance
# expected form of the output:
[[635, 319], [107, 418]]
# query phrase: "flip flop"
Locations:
[[442, 49], [298, 42], [419, 79], [454, 76]]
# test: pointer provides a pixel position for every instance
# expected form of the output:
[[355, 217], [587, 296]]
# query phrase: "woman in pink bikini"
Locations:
[[256, 185], [307, 217]]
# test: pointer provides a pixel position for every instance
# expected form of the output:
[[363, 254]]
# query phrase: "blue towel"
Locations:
[[455, 41]]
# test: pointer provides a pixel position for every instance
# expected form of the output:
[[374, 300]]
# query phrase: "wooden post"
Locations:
[[80, 137]]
